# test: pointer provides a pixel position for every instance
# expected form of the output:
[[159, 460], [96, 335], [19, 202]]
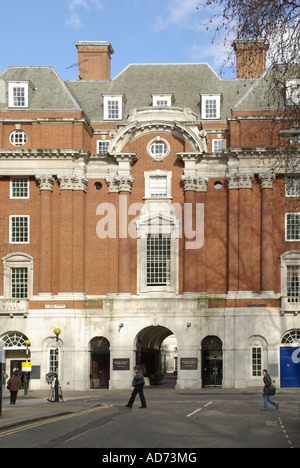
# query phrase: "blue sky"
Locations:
[[43, 32]]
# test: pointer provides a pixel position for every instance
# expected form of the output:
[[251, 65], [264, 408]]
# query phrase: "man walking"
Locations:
[[267, 381], [138, 384]]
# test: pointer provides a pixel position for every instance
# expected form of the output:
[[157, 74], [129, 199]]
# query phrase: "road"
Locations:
[[176, 422]]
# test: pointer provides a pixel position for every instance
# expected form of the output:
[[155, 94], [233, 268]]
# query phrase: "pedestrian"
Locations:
[[267, 381], [4, 377], [138, 388], [13, 385]]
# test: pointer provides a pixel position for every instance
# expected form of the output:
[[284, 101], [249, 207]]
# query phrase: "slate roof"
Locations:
[[49, 91], [138, 81]]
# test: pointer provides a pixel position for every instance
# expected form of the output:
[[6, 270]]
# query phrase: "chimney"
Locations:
[[251, 57], [94, 60]]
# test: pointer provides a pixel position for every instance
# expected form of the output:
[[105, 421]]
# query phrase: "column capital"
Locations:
[[45, 181], [267, 180], [240, 180], [72, 182], [195, 183], [119, 183]]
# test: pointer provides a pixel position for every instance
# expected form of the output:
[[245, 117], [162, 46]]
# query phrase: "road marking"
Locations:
[[199, 409], [285, 433], [32, 425]]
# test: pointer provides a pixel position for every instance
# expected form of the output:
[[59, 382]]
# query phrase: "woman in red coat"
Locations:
[[13, 386]]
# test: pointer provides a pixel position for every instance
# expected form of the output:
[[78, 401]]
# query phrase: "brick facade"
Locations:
[[77, 193]]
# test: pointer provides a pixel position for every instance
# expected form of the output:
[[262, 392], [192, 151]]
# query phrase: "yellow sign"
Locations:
[[26, 366]]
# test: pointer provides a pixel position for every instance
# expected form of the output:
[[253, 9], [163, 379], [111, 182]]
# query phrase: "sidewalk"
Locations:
[[35, 406]]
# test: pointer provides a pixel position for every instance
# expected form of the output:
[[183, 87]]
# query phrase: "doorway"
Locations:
[[152, 353], [212, 362], [99, 363], [289, 367]]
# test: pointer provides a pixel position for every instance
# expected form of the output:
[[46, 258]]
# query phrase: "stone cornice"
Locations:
[[45, 153]]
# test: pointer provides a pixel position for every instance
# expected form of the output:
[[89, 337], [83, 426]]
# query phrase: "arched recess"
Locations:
[[15, 347], [99, 348], [212, 361], [196, 139], [150, 353]]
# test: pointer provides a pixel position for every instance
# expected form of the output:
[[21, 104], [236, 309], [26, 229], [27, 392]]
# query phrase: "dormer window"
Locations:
[[162, 100], [113, 107], [18, 94], [210, 106]]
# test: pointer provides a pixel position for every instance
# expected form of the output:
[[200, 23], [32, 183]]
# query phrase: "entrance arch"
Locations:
[[290, 359], [14, 344], [99, 362], [212, 362], [150, 355]]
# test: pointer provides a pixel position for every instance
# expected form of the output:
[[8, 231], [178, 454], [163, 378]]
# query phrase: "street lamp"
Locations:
[[27, 342], [57, 332]]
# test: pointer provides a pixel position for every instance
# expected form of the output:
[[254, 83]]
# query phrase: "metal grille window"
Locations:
[[19, 283], [19, 229], [158, 259], [292, 226], [19, 188], [292, 186], [293, 290], [256, 362], [158, 186], [291, 337]]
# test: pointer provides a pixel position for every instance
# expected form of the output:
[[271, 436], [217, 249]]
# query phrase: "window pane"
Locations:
[[292, 186], [256, 362], [19, 229], [19, 283], [292, 226], [113, 109], [158, 259], [158, 186], [19, 96], [19, 188], [293, 276]]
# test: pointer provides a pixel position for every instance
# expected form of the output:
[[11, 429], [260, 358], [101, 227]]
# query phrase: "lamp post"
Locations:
[[27, 342], [57, 332]]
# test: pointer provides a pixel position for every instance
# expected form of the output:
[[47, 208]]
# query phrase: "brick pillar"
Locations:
[[71, 258], [78, 235], [66, 234], [201, 260], [267, 254], [45, 183], [233, 234], [245, 235], [194, 269], [125, 183]]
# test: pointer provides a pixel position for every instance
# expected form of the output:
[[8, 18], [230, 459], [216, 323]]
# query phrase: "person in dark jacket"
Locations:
[[14, 384], [138, 388], [267, 381]]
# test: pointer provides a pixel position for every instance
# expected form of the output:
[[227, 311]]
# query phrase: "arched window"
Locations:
[[14, 340], [291, 337]]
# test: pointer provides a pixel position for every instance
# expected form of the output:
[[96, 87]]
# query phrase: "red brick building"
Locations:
[[144, 206]]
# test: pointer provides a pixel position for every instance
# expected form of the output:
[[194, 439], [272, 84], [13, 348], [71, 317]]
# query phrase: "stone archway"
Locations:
[[99, 362], [149, 352]]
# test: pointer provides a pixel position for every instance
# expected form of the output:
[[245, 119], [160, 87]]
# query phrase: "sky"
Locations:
[[43, 32]]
